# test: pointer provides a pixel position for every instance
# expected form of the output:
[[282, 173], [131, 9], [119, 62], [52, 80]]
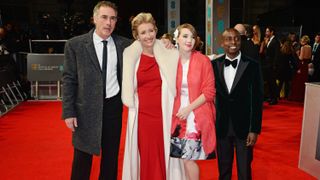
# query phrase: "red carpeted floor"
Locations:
[[35, 144]]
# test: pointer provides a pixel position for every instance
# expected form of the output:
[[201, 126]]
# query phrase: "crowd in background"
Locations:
[[287, 62]]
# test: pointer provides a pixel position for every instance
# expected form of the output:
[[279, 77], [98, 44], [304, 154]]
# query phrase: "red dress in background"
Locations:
[[150, 128], [298, 82]]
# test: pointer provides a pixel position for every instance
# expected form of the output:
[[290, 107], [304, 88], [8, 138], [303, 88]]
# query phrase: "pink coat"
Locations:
[[200, 81]]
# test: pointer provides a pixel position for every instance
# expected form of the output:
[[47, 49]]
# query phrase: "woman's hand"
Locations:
[[183, 113]]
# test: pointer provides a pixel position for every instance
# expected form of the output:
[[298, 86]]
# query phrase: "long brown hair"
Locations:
[[286, 47]]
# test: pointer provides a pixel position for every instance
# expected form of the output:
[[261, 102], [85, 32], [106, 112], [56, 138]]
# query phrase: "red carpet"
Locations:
[[35, 144]]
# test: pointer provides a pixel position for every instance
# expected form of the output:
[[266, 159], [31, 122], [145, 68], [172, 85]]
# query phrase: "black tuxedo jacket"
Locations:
[[243, 105], [272, 54]]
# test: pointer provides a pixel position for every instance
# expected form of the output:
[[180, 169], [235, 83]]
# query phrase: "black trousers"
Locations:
[[111, 132], [244, 155], [273, 89]]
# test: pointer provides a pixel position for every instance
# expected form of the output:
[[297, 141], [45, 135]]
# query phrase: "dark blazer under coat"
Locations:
[[83, 89], [243, 106]]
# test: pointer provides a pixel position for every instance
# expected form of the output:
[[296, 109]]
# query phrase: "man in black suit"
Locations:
[[239, 100], [270, 64], [92, 106], [247, 46], [316, 58]]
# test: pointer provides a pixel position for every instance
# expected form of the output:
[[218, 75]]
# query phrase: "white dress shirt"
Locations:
[[270, 40], [112, 84], [230, 72], [315, 46]]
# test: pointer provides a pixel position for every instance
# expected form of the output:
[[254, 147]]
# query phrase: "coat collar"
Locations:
[[220, 63], [91, 50]]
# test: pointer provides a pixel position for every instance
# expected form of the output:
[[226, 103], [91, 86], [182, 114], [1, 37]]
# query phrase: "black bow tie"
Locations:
[[234, 63]]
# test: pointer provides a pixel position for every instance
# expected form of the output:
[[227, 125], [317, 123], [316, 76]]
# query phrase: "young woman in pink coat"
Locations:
[[193, 130]]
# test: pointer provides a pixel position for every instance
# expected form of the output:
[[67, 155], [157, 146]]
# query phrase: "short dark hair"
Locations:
[[271, 29], [104, 4]]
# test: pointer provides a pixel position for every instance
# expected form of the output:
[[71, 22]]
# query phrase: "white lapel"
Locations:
[[167, 60], [131, 56]]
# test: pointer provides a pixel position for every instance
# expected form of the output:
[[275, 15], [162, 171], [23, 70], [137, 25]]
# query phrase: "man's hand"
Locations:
[[71, 123], [252, 139]]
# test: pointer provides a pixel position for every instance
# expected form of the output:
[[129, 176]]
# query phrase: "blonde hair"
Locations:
[[104, 4], [194, 33], [256, 38], [305, 39], [140, 19]]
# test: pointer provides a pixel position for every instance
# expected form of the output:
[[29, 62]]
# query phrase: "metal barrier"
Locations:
[[44, 68], [44, 71], [10, 96]]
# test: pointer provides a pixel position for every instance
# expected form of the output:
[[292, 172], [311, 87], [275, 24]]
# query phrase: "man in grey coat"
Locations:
[[92, 106]]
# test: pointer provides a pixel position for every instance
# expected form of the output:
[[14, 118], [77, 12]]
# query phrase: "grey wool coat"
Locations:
[[83, 89]]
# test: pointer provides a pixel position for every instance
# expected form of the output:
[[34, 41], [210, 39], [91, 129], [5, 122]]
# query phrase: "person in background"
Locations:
[[247, 46], [193, 130], [286, 66], [301, 75], [256, 38], [263, 47], [239, 104], [292, 36], [249, 31], [199, 46], [270, 64], [92, 107], [167, 37], [316, 59], [13, 38], [149, 88]]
